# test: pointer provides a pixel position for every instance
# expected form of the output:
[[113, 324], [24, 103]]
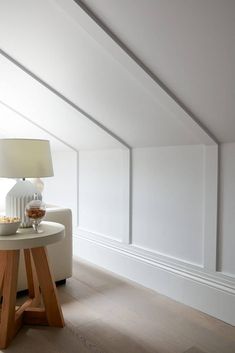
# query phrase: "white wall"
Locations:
[[173, 244], [168, 201], [103, 192], [61, 189], [5, 186], [226, 241]]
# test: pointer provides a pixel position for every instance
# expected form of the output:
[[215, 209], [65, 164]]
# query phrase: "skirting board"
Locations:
[[217, 302]]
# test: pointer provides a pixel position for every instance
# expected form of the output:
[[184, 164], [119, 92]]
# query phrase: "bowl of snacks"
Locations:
[[9, 225]]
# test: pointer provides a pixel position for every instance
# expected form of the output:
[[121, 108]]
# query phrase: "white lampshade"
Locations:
[[25, 158]]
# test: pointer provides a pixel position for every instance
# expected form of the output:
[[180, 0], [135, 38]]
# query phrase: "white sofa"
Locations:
[[60, 254]]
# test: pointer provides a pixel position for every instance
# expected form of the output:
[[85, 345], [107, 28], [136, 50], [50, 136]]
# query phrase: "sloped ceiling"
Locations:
[[39, 107], [16, 126], [48, 38], [188, 45]]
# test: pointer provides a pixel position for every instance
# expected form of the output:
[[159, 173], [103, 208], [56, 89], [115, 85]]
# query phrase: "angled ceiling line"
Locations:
[[37, 125], [190, 115], [64, 98]]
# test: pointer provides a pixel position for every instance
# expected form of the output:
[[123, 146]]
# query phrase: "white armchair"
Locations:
[[60, 254]]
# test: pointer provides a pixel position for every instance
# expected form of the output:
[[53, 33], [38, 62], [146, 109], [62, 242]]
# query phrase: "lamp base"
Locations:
[[17, 199]]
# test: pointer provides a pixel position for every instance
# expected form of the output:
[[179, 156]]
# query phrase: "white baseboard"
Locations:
[[204, 292]]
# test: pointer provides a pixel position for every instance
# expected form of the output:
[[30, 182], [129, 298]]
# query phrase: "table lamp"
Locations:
[[20, 159]]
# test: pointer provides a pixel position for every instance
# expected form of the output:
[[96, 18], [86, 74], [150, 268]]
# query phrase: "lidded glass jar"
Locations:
[[35, 210]]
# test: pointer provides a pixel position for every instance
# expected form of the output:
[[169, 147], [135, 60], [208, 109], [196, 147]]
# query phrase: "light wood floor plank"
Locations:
[[107, 314]]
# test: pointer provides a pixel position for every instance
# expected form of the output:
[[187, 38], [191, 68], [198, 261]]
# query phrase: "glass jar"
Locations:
[[36, 210]]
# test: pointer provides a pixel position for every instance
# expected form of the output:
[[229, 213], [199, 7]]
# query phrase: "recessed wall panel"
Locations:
[[168, 201], [104, 192]]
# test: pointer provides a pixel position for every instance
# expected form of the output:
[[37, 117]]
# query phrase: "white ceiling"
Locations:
[[188, 46], [37, 105], [13, 125]]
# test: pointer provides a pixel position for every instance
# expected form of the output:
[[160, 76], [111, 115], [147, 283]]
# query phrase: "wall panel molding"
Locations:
[[180, 267], [210, 210], [211, 175], [190, 287], [127, 239], [118, 245]]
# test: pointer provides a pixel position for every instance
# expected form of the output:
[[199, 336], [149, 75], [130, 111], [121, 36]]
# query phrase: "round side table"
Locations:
[[39, 277]]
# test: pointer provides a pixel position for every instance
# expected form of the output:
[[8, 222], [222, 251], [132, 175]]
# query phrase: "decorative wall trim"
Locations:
[[211, 175], [201, 280], [105, 238], [227, 274], [78, 188], [190, 287], [128, 239], [180, 267]]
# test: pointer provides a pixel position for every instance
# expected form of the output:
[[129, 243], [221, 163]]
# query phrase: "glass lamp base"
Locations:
[[36, 228]]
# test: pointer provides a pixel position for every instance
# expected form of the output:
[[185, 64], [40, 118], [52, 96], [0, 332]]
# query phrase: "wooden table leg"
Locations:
[[48, 288], [7, 325], [33, 285], [3, 259]]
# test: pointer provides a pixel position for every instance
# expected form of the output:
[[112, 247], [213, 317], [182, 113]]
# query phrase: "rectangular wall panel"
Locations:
[[104, 192], [168, 201], [61, 189]]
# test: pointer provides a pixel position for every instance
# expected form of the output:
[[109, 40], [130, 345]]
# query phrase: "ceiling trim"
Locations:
[[155, 87], [64, 98]]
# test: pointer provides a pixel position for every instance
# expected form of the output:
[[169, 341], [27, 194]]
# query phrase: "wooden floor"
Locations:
[[107, 314]]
